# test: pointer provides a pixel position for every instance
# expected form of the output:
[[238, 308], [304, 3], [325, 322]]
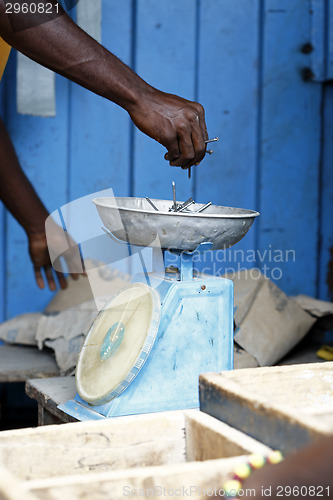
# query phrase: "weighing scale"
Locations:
[[151, 341]]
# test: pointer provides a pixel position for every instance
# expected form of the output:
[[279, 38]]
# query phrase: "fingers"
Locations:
[[61, 280], [50, 278], [173, 153], [188, 154], [191, 150], [202, 122], [176, 123], [74, 262], [60, 277], [45, 272], [189, 147], [39, 278]]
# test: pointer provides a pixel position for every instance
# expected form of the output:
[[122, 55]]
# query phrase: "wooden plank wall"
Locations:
[[325, 263], [2, 228], [242, 61], [289, 145]]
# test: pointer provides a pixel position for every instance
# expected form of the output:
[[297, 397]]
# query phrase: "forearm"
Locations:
[[16, 192], [63, 47], [59, 44]]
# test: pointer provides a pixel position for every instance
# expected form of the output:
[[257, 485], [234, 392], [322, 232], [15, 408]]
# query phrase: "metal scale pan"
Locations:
[[147, 347], [142, 225]]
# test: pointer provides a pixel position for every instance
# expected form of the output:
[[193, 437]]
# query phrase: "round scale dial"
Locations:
[[117, 344]]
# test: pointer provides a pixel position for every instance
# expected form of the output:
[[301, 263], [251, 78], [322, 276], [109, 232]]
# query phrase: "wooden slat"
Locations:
[[99, 130], [329, 22], [2, 263], [11, 489], [165, 57], [208, 438], [210, 51], [41, 145], [228, 89], [19, 363], [326, 249], [77, 448], [290, 146], [285, 407], [144, 449], [49, 393], [193, 480], [111, 457], [2, 223]]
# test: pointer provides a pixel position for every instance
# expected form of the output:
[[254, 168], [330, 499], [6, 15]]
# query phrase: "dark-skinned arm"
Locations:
[[21, 200], [59, 44]]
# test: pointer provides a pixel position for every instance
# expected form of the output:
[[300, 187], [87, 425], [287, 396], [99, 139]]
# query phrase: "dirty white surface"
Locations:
[[303, 390]]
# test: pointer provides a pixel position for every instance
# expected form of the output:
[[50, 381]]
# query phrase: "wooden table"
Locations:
[[49, 393], [287, 407], [19, 363]]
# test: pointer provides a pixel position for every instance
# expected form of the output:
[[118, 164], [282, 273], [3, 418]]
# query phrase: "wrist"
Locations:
[[136, 97], [35, 226]]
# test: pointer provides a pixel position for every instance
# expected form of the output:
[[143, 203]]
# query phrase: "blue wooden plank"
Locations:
[[165, 57], [272, 428], [100, 131], [329, 68], [2, 228], [321, 39], [2, 263], [289, 150], [41, 145], [228, 89], [210, 51], [326, 253], [317, 57]]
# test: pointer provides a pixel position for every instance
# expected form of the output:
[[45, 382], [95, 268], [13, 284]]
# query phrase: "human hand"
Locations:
[[178, 124], [40, 257]]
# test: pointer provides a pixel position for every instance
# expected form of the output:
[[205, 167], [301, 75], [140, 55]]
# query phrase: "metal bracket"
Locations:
[[186, 259]]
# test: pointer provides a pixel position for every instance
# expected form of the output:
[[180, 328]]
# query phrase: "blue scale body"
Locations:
[[195, 336]]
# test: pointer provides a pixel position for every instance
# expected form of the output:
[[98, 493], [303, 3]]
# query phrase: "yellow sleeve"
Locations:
[[4, 54]]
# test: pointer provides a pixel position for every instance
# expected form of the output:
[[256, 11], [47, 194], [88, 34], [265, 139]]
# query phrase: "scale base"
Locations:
[[195, 336]]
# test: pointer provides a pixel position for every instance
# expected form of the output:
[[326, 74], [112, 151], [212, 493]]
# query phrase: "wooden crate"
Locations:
[[187, 451], [285, 407]]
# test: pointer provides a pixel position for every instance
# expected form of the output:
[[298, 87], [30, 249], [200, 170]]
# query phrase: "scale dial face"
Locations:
[[117, 344]]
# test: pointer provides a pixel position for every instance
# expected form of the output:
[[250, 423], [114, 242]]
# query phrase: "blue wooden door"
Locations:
[[244, 61]]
